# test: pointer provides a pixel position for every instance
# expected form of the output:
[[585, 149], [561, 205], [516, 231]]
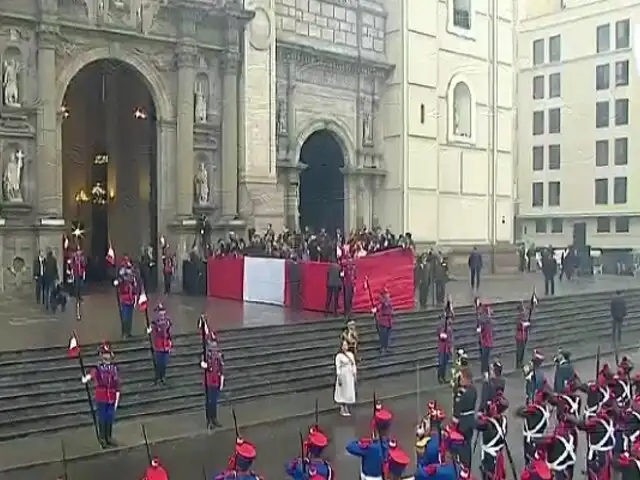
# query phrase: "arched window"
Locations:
[[461, 112]]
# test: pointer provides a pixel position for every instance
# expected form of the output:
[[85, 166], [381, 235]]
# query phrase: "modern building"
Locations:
[[575, 116]]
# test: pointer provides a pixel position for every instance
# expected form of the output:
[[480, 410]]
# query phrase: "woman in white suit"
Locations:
[[345, 391]]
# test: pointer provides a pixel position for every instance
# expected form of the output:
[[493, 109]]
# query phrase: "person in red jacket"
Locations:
[[155, 471], [213, 365], [485, 329], [127, 286], [160, 331], [522, 334], [445, 348], [384, 318]]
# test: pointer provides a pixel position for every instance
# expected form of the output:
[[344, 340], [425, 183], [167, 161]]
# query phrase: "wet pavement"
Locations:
[[26, 325], [188, 458]]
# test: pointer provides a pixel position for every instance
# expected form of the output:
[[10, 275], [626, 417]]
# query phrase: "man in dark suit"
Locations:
[[50, 274], [475, 267], [618, 312], [549, 270], [334, 282], [38, 276]]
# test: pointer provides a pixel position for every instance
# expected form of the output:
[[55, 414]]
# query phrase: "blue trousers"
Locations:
[[212, 404], [106, 412], [443, 364], [162, 360], [384, 335], [126, 312], [485, 357]]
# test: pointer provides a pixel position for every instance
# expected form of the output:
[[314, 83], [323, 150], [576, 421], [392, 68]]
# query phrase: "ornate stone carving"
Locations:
[[201, 184], [367, 122], [11, 68], [201, 100], [282, 116], [231, 62], [186, 56], [12, 177]]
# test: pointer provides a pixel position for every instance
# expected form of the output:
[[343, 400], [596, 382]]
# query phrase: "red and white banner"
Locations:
[[248, 279]]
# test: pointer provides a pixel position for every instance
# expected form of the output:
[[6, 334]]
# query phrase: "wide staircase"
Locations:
[[40, 389]]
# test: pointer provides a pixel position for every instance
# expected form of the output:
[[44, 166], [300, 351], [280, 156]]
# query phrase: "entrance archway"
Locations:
[[109, 166], [322, 183]]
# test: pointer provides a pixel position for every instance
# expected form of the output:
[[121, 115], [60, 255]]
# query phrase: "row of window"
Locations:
[[603, 75], [462, 14], [603, 225], [621, 41], [622, 38], [554, 121], [620, 154], [601, 187], [555, 87], [621, 114]]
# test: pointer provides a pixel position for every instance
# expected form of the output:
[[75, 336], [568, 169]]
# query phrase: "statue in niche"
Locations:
[[12, 178], [367, 128], [10, 89], [201, 181], [200, 104], [281, 119]]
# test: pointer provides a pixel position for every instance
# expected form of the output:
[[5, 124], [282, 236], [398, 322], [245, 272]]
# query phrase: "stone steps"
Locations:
[[40, 389]]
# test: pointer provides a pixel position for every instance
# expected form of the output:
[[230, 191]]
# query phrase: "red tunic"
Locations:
[[107, 382], [445, 345], [78, 264], [486, 332], [522, 329], [161, 332], [385, 313], [349, 272], [215, 368]]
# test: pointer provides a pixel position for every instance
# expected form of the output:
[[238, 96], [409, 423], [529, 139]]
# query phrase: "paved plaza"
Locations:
[[26, 325]]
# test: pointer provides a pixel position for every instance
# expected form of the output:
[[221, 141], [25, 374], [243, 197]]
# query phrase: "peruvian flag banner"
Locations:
[[143, 301], [111, 255], [74, 346]]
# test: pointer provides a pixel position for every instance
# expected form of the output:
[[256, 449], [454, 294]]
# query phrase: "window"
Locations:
[[554, 120], [541, 225], [620, 190], [555, 88], [538, 158], [603, 36], [622, 111], [602, 153], [602, 77], [537, 194], [602, 114], [621, 151], [603, 225], [556, 225], [554, 194], [538, 123], [538, 51], [622, 34], [422, 113], [622, 224], [622, 73], [602, 191], [554, 157], [462, 14], [538, 87], [555, 48]]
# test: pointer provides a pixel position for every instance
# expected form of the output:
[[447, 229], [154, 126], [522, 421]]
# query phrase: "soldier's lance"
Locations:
[[116, 282], [597, 363], [203, 325], [510, 457], [368, 289], [235, 423], [65, 467], [377, 432], [146, 443], [83, 371], [302, 456], [317, 416], [149, 334]]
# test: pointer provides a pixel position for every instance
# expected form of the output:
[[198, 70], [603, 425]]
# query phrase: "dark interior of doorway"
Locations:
[[90, 89], [322, 183]]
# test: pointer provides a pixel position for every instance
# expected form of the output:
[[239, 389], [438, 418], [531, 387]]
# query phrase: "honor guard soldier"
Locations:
[[107, 393], [239, 466], [485, 329], [447, 468], [496, 385], [160, 331], [628, 463], [79, 269], [493, 427], [631, 418], [155, 471], [597, 391], [561, 448], [522, 334], [213, 365], [349, 275], [564, 370], [464, 414], [384, 316], [373, 451], [536, 420], [537, 468], [397, 462], [600, 431], [621, 384], [461, 362], [314, 445], [428, 441], [535, 379], [445, 347], [127, 286]]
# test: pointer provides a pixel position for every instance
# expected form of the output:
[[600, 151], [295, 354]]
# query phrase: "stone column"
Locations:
[[49, 163], [231, 63], [360, 202], [184, 155]]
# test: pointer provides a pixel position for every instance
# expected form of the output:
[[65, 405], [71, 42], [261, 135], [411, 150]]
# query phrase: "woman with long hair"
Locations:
[[346, 372]]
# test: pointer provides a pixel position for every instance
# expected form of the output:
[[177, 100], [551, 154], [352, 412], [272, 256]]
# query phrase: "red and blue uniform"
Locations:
[[445, 349], [127, 286], [213, 365], [446, 468], [384, 317], [78, 266], [349, 277], [373, 451], [493, 427], [428, 436], [522, 334], [239, 466], [397, 462], [313, 464], [106, 379], [485, 329], [162, 341], [155, 471]]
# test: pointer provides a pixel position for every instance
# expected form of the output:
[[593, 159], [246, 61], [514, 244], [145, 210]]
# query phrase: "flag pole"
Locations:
[[203, 326], [83, 370], [116, 282], [143, 294], [418, 389]]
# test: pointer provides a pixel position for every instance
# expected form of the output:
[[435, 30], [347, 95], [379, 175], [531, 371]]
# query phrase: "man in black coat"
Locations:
[[38, 276], [549, 270], [334, 282], [618, 312], [50, 275], [475, 267]]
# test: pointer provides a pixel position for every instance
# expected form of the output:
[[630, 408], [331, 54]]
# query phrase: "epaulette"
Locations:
[[422, 442]]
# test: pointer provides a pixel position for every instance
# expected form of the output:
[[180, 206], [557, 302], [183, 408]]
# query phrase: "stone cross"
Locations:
[[20, 156]]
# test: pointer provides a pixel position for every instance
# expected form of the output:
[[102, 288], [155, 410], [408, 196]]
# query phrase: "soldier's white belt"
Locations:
[[367, 477], [467, 413], [568, 457]]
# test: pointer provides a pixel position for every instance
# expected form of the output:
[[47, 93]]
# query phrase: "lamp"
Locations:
[[81, 196]]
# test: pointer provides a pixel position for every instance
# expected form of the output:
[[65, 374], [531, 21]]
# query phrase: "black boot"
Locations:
[[109, 437], [102, 434]]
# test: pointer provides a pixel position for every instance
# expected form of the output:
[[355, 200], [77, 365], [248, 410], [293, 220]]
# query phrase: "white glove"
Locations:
[[443, 336], [221, 382], [526, 324], [149, 329], [374, 310], [203, 365], [478, 329], [85, 379], [116, 282]]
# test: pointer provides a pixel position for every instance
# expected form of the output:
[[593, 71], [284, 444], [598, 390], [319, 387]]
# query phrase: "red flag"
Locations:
[[74, 346], [143, 301], [111, 255]]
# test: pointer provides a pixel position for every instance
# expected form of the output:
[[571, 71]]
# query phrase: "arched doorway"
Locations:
[[109, 166], [322, 183]]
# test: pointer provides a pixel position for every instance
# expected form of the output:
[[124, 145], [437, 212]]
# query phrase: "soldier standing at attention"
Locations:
[[127, 286], [349, 275], [384, 316], [464, 414], [485, 329], [107, 393], [213, 364], [160, 331], [445, 347], [522, 334]]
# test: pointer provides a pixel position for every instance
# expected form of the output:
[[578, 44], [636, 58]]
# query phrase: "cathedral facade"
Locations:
[[129, 119]]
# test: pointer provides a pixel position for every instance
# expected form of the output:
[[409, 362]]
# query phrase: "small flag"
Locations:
[[111, 255], [143, 301], [74, 347]]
